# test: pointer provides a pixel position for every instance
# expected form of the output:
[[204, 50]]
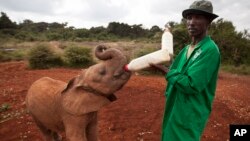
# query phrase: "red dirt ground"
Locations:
[[135, 116]]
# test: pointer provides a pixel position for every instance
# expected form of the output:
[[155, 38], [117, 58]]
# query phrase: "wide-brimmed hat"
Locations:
[[203, 7]]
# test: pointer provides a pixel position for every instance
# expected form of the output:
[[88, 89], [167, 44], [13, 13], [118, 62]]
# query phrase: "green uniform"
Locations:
[[190, 92]]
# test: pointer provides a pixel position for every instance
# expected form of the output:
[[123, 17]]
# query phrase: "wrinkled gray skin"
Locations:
[[57, 106]]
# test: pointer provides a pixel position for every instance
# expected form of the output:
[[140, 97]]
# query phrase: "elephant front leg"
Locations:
[[91, 130], [75, 129]]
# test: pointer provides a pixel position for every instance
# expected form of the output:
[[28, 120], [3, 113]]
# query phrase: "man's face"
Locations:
[[197, 25]]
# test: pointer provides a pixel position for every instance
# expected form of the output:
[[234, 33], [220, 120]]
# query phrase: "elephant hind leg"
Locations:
[[48, 134]]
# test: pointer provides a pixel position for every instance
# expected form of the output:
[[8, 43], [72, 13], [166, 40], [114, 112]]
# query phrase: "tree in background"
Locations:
[[125, 30], [180, 35], [5, 22], [7, 27], [234, 45]]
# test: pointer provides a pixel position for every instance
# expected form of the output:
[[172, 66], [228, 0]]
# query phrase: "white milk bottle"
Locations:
[[167, 41], [157, 57]]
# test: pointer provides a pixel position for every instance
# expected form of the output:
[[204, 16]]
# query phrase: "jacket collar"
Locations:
[[205, 39], [197, 46]]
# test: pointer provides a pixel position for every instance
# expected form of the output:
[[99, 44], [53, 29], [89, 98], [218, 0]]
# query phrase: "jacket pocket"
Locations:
[[187, 114]]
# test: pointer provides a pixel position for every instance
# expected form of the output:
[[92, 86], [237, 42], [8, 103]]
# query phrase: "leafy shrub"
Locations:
[[43, 57], [18, 55], [53, 36], [144, 51], [4, 56], [15, 54], [242, 69], [25, 36], [78, 56]]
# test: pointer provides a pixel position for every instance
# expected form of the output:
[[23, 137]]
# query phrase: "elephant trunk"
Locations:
[[116, 57]]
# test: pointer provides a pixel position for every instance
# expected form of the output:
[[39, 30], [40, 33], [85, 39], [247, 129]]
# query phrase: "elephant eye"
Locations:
[[102, 71]]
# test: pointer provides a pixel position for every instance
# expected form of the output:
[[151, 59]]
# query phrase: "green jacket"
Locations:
[[190, 92]]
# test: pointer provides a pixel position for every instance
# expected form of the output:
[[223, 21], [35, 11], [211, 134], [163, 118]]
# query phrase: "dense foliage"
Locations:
[[43, 57], [78, 56], [234, 45]]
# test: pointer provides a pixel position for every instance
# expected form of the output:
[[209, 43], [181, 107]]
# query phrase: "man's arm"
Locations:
[[161, 68]]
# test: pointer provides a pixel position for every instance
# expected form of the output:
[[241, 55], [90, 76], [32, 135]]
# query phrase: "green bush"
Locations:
[[20, 54], [54, 36], [13, 54], [25, 36], [144, 51], [4, 56], [242, 69], [78, 56], [43, 57]]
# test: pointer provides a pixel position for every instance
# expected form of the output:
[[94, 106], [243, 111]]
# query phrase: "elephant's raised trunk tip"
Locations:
[[115, 56], [104, 53], [99, 51], [101, 48]]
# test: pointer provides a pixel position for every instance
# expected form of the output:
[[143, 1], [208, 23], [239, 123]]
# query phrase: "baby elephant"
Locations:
[[72, 107]]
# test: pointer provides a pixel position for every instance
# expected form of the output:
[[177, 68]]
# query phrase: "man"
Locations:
[[192, 78]]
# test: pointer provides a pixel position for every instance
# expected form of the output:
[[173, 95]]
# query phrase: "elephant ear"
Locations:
[[79, 103], [69, 85], [73, 83]]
